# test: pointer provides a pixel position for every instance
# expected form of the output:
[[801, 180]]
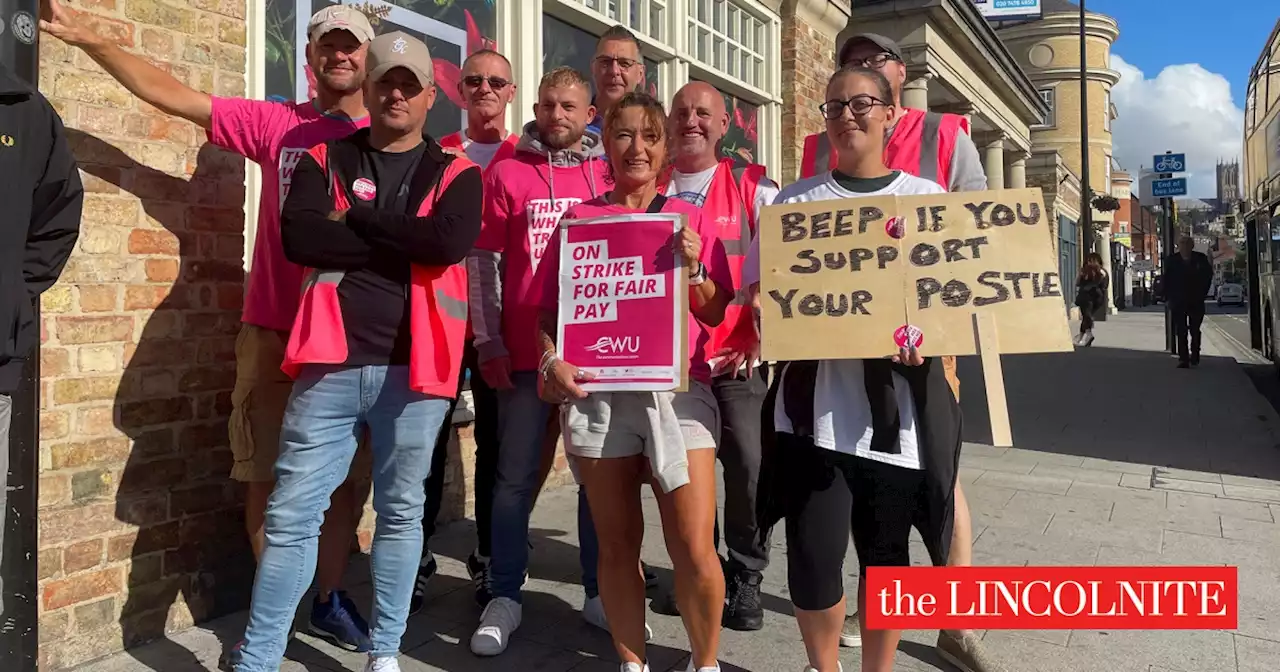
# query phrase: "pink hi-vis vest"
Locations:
[[730, 209], [437, 307], [505, 151], [922, 145]]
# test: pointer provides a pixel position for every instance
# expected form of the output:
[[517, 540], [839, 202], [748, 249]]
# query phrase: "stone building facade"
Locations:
[[140, 530]]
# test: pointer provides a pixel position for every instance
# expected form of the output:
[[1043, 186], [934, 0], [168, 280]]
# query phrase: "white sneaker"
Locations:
[[716, 668], [851, 635], [500, 618], [384, 664], [839, 668], [593, 613], [634, 667]]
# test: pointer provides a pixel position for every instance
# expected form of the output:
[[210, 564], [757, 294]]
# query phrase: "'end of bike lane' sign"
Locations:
[[1169, 163]]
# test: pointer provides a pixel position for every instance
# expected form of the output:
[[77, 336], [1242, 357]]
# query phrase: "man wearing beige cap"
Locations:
[[383, 218], [275, 136]]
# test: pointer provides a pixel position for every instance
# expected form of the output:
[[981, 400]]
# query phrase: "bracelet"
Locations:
[[699, 276], [550, 359]]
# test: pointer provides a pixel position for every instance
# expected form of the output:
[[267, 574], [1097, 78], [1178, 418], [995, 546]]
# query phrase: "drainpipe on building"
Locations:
[[19, 639]]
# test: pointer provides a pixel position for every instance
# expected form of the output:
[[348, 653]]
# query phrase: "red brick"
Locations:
[[144, 477], [143, 511], [137, 414], [200, 499], [145, 540], [55, 490], [162, 270], [224, 220], [82, 588], [154, 241], [206, 379], [155, 352], [48, 563], [202, 270], [75, 330], [97, 299], [82, 555], [54, 362], [150, 297]]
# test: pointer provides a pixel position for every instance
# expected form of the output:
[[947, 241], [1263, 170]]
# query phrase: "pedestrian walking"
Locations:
[[1188, 275], [731, 197], [1092, 288], [617, 441], [275, 136], [43, 199], [385, 219], [872, 445]]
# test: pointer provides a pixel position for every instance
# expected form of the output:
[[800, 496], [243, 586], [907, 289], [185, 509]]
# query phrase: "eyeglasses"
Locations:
[[606, 62], [495, 83], [858, 105], [874, 62]]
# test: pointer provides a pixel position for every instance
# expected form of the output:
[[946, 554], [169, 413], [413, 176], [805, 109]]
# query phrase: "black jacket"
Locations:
[[40, 202], [1187, 281]]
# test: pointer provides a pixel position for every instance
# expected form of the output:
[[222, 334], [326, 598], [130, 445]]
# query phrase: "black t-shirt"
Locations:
[[864, 185], [374, 299]]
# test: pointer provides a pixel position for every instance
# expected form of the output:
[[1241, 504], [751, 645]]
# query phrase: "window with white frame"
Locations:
[[731, 38], [1106, 112], [647, 17], [1049, 96]]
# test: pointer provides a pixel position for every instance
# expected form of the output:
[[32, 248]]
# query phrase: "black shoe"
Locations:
[[665, 603], [1184, 364], [426, 569], [478, 568], [742, 610], [650, 577], [1195, 359]]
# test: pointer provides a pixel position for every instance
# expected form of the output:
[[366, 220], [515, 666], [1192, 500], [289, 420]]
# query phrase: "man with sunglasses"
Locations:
[[937, 147], [487, 90], [616, 70]]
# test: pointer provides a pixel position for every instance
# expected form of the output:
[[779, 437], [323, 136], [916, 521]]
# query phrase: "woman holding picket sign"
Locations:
[[617, 441], [871, 444]]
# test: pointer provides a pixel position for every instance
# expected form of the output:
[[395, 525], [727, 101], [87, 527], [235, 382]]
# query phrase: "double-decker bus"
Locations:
[[1262, 197]]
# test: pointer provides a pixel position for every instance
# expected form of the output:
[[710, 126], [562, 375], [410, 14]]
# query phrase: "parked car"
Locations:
[[1230, 293]]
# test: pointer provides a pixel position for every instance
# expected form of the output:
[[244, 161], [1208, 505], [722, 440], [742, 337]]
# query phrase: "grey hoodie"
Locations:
[[524, 199]]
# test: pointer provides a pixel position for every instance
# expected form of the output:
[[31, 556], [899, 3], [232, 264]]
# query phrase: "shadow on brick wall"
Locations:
[[190, 560]]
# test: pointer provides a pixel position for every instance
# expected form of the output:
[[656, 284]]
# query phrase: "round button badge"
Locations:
[[908, 336], [364, 189], [896, 228]]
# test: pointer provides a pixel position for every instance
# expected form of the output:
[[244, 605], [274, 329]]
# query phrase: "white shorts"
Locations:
[[615, 424]]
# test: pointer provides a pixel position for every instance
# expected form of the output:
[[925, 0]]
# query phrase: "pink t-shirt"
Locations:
[[274, 136], [713, 257]]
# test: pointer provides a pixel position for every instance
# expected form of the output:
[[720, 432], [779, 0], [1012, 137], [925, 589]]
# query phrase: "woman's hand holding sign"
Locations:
[[688, 244], [559, 381]]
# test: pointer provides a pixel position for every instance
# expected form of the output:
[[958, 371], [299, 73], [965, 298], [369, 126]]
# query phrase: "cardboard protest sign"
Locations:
[[859, 278], [623, 311]]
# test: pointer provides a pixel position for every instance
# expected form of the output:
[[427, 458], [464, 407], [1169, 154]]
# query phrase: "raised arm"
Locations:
[[144, 80]]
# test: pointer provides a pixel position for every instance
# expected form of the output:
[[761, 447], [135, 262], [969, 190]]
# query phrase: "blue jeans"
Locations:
[[331, 406], [522, 421]]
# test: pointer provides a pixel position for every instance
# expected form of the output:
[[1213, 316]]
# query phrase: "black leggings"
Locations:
[[823, 487]]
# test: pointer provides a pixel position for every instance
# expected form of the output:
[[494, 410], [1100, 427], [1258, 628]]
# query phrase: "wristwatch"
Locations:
[[699, 276]]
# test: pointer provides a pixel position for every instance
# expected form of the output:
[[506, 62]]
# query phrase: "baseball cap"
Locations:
[[400, 50], [887, 45], [340, 17]]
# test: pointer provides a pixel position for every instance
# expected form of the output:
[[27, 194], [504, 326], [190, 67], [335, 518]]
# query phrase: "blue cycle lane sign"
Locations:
[[1169, 163], [1176, 186]]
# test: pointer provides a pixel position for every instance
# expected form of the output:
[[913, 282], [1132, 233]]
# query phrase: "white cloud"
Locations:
[[1185, 108]]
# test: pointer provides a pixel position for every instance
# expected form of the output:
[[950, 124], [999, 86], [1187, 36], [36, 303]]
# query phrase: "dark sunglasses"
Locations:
[[859, 105], [495, 83]]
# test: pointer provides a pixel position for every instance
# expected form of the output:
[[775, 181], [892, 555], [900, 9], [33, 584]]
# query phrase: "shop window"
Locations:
[[565, 44], [451, 30], [726, 36]]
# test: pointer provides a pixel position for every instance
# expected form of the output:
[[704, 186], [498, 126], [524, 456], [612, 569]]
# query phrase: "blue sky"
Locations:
[[1157, 33]]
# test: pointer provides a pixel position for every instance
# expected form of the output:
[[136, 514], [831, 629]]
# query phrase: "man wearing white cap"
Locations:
[[275, 136]]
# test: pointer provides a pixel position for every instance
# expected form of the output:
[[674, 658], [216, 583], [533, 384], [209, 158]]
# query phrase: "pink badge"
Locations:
[[895, 227], [908, 336], [364, 189]]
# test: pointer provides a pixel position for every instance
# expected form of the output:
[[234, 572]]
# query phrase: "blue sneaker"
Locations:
[[339, 622]]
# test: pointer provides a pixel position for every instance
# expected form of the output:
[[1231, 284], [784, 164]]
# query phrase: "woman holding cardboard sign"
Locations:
[[868, 444], [619, 440]]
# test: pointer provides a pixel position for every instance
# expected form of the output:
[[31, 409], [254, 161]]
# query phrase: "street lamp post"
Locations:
[[1086, 205]]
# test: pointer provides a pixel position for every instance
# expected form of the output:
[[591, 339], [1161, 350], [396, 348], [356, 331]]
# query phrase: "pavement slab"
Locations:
[[1121, 459]]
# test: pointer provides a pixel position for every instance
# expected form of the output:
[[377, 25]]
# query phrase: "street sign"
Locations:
[[1170, 163], [1172, 187], [1009, 10], [1142, 265]]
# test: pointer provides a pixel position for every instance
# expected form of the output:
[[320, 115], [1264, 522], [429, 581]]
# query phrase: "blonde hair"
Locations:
[[564, 76]]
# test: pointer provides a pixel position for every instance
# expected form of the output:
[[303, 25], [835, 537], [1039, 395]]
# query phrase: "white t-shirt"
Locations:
[[841, 410], [480, 153]]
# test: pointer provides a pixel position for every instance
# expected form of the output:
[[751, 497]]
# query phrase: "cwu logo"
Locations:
[[607, 345]]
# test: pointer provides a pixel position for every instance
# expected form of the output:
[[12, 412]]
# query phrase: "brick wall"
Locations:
[[808, 59], [140, 531]]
